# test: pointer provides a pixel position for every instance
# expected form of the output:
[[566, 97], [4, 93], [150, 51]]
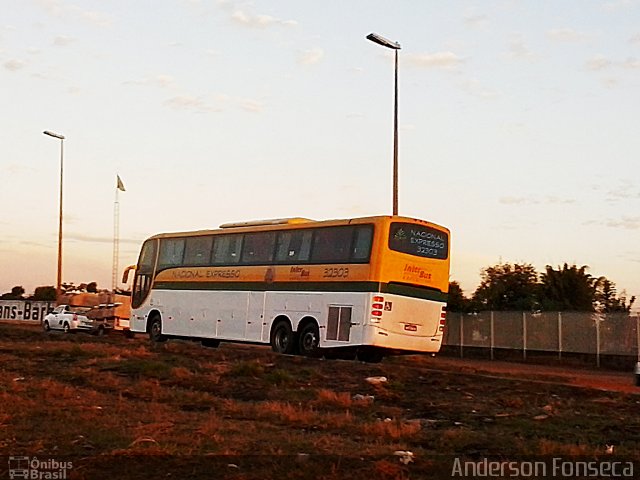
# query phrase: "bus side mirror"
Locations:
[[125, 276]]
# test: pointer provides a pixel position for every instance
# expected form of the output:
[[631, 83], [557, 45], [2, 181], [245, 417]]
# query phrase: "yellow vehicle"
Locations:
[[365, 286]]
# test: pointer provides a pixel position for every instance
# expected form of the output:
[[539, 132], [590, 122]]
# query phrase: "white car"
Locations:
[[69, 319]]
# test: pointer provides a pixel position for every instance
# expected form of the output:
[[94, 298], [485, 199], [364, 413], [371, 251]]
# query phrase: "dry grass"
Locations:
[[100, 398]]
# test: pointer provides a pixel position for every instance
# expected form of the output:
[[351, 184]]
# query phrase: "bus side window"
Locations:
[[332, 244], [226, 249], [294, 246], [171, 252], [258, 248], [362, 243], [198, 251]]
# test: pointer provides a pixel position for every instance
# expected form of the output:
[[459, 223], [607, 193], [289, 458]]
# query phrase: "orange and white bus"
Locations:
[[363, 286]]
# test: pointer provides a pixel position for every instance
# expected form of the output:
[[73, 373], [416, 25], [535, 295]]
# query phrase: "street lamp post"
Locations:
[[59, 280], [374, 37]]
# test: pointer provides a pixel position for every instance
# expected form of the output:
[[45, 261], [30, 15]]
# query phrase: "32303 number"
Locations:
[[336, 272]]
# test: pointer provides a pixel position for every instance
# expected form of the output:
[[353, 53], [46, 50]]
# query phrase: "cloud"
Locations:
[[442, 60], [616, 5], [63, 40], [475, 20], [161, 81], [473, 87], [632, 63], [14, 65], [57, 8], [598, 62], [99, 19], [635, 39], [216, 103], [624, 191], [532, 200], [627, 223], [190, 103], [252, 20], [311, 57], [518, 49], [94, 239], [251, 105], [566, 35]]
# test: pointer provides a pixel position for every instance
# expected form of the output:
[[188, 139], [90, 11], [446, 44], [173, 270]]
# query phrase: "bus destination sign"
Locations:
[[418, 240]]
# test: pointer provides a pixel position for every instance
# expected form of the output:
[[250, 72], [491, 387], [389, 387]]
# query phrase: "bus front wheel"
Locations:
[[282, 338], [155, 329]]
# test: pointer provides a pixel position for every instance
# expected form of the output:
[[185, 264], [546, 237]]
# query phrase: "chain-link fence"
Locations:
[[569, 332]]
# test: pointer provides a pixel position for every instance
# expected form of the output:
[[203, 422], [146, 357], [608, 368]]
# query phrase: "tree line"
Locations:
[[48, 293], [518, 287]]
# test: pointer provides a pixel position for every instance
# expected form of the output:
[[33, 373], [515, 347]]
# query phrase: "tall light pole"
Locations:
[[374, 37], [59, 280]]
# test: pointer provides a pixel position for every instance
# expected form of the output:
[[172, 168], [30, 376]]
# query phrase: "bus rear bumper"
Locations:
[[379, 337]]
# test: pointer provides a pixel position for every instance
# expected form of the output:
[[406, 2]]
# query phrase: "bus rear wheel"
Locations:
[[309, 339], [282, 340], [155, 329]]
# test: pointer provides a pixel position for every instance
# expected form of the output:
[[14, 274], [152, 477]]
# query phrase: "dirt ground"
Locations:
[[120, 408]]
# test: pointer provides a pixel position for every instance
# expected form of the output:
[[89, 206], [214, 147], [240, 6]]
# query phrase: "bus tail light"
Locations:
[[443, 319], [376, 308]]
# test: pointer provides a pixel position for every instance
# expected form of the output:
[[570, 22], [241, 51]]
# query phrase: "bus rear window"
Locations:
[[419, 240]]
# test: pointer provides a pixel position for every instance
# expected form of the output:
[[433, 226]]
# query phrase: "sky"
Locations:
[[518, 126]]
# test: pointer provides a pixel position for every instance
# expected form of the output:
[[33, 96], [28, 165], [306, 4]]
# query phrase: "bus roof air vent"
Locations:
[[274, 221]]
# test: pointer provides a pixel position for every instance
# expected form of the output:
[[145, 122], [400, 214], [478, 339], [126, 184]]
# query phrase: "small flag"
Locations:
[[119, 184]]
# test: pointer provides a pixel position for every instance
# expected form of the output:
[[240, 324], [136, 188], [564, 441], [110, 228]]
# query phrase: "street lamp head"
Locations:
[[52, 134], [380, 40]]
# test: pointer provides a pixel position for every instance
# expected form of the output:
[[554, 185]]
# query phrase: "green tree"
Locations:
[[507, 286], [567, 288], [456, 301], [16, 293], [44, 293], [606, 298]]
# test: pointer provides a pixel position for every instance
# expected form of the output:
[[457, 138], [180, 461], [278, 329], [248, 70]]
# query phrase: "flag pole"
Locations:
[[116, 238]]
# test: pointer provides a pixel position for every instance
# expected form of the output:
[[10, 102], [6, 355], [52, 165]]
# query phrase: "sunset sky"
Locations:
[[519, 125]]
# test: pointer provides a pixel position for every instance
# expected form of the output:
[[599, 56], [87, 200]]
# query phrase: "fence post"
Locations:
[[461, 335], [638, 334], [559, 335], [597, 341], [524, 335], [492, 338]]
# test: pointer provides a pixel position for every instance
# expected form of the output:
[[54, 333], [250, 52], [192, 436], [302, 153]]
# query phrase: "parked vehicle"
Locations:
[[74, 319]]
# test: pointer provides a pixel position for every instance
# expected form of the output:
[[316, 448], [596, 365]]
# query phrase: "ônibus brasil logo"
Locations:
[[33, 468]]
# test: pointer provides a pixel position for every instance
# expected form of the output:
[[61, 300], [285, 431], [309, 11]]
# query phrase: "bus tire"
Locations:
[[309, 339], [282, 339], [155, 329]]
